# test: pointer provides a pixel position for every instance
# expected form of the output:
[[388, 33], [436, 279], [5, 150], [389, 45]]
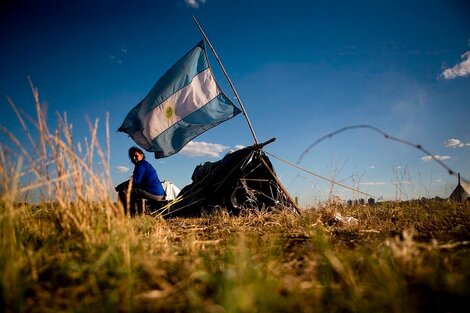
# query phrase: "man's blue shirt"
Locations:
[[145, 177]]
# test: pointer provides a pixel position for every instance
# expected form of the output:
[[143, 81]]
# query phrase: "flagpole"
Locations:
[[229, 80]]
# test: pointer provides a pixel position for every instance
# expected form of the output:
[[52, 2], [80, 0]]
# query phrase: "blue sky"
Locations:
[[303, 69]]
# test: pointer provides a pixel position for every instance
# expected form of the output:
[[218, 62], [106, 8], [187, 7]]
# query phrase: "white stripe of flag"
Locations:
[[182, 103]]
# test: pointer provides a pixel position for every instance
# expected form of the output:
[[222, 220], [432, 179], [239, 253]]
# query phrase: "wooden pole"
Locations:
[[228, 79], [296, 209]]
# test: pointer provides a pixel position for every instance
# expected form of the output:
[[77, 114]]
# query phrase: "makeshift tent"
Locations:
[[461, 192], [243, 179]]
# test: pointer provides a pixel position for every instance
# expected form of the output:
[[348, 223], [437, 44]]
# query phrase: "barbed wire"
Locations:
[[386, 136], [319, 176]]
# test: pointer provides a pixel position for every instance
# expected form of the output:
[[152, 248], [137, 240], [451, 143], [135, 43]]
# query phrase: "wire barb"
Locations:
[[387, 136]]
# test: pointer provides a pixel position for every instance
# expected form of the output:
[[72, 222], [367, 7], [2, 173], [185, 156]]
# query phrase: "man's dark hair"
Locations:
[[133, 150]]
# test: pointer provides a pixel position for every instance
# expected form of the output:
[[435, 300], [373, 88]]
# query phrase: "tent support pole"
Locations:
[[282, 187], [228, 79]]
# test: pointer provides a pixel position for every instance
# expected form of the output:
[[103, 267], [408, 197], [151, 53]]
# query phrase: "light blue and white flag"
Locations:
[[185, 102]]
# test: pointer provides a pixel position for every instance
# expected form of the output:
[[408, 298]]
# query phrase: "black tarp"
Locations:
[[242, 180]]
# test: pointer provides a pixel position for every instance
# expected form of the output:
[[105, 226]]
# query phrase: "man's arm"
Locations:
[[139, 171]]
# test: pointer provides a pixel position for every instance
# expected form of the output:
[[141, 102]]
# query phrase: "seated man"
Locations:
[[145, 182]]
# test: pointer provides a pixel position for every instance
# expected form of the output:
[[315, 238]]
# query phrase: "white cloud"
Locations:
[[115, 59], [455, 143], [122, 169], [437, 157], [401, 182], [196, 148], [237, 147], [460, 70], [117, 56], [373, 183], [194, 3]]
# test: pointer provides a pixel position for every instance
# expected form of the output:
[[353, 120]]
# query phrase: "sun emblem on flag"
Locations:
[[169, 112]]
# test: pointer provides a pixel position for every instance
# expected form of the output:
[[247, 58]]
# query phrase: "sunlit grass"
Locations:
[[265, 262]]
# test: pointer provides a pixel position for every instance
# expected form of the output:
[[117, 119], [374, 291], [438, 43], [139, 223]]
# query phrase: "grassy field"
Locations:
[[399, 257], [75, 251]]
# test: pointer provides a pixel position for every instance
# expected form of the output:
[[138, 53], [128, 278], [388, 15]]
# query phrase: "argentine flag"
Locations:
[[185, 102]]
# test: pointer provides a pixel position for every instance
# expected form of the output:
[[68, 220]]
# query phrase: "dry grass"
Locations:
[[74, 250], [258, 262]]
